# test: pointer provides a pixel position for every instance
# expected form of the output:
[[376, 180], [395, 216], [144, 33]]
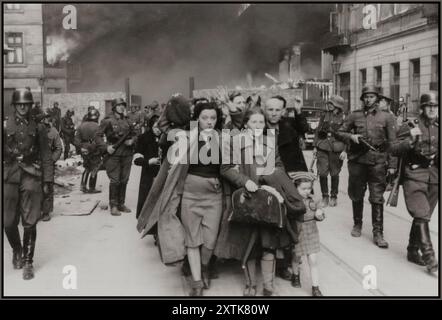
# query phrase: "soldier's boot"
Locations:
[[113, 199], [413, 254], [93, 184], [268, 276], [29, 237], [323, 181], [358, 209], [14, 240], [377, 218], [122, 198], [334, 191], [426, 246], [83, 181]]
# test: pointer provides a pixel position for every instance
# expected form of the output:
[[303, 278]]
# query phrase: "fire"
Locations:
[[58, 48]]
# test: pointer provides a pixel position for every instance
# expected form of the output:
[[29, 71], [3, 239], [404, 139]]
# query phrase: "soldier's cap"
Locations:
[[298, 175], [118, 101], [369, 89], [430, 98], [337, 101]]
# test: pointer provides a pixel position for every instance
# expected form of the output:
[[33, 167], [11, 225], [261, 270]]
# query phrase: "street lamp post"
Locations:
[[41, 82], [336, 65]]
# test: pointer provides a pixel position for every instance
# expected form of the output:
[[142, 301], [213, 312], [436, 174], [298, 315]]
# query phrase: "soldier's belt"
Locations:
[[424, 165]]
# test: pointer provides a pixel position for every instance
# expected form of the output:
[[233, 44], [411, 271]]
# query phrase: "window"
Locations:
[[378, 76], [394, 81], [53, 90], [362, 78], [415, 75], [14, 40], [401, 8], [385, 11], [434, 84]]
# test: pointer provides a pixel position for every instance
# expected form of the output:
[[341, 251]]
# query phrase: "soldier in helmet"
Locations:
[[55, 114], [85, 140], [367, 165], [136, 118], [419, 150], [115, 127], [329, 151], [26, 162], [67, 131], [55, 148]]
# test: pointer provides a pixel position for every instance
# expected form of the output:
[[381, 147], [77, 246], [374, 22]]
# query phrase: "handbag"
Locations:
[[258, 208]]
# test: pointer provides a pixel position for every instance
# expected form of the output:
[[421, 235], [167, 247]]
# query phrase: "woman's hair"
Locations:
[[250, 112], [250, 100], [280, 98], [301, 180], [233, 95], [201, 106]]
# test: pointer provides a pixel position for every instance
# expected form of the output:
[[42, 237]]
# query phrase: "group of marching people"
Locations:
[[189, 205]]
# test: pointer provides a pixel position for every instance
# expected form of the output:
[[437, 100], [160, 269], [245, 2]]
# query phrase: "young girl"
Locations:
[[309, 235], [233, 238]]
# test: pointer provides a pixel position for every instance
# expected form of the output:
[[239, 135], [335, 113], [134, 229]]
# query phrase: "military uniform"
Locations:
[[420, 178], [55, 114], [366, 166], [55, 147], [85, 139], [67, 132], [328, 152], [119, 163], [25, 157]]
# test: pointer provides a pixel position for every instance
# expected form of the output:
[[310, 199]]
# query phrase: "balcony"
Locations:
[[335, 44]]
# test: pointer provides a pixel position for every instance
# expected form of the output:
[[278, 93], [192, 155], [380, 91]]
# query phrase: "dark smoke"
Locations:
[[159, 46]]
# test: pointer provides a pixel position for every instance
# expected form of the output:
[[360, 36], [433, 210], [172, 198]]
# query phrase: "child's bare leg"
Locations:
[[314, 272]]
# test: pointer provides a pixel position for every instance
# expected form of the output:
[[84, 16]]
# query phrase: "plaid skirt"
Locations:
[[308, 239]]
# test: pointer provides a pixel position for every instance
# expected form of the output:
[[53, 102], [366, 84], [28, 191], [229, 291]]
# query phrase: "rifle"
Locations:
[[367, 145], [394, 194], [312, 163], [107, 156]]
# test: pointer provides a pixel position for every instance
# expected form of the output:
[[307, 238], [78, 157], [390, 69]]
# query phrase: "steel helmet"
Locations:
[[93, 114], [429, 98], [22, 96], [337, 101], [369, 89], [118, 101]]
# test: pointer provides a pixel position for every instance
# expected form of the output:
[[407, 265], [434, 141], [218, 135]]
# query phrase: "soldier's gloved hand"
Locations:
[[154, 161], [391, 172], [129, 142], [251, 186], [415, 132], [343, 156], [355, 138], [110, 149]]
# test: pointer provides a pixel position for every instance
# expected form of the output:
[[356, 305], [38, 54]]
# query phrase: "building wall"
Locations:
[[80, 101], [400, 49], [27, 20]]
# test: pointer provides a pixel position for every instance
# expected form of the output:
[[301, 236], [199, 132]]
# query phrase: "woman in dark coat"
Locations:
[[147, 145]]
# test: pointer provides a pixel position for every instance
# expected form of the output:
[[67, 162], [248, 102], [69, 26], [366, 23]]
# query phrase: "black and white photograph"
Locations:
[[220, 150]]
